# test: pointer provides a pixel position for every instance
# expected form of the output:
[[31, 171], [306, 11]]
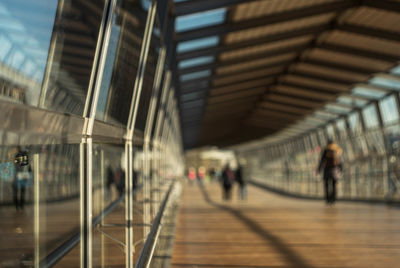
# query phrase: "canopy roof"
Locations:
[[248, 69]]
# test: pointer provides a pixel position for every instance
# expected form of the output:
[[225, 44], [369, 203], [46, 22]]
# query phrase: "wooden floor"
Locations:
[[274, 231]]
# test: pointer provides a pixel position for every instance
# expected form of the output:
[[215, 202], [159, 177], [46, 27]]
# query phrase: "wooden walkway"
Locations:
[[274, 231]]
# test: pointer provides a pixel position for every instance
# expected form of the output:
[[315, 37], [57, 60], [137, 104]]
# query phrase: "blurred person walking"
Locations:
[[228, 177], [241, 182], [331, 164]]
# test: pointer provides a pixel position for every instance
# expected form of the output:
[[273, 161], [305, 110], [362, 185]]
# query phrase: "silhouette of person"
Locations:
[[109, 182], [119, 179], [330, 162], [228, 178], [23, 173], [242, 185]]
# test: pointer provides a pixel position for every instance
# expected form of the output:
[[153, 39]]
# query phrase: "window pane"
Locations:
[[148, 81], [22, 66], [370, 116], [109, 173], [121, 65], [354, 123], [71, 56], [55, 171], [389, 110]]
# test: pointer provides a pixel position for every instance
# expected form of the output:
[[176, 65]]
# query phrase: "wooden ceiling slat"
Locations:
[[254, 42], [269, 19], [195, 6], [246, 58]]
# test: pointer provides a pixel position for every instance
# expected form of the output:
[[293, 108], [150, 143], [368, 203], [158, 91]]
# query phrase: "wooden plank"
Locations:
[[269, 230]]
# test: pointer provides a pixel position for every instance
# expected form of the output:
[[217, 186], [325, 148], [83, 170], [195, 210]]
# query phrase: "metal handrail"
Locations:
[[57, 254], [147, 252]]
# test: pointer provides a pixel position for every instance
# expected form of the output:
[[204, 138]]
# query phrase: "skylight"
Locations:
[[198, 44], [200, 20], [195, 62], [386, 82], [195, 75], [368, 92], [351, 101]]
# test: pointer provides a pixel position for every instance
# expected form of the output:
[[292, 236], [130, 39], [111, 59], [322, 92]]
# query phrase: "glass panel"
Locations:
[[370, 116], [322, 138], [121, 64], [354, 123], [108, 205], [389, 110], [23, 66], [197, 44], [55, 170], [396, 70], [148, 80], [71, 54], [331, 132], [341, 127], [199, 20]]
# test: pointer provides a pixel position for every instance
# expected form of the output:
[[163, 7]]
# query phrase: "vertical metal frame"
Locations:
[[86, 148], [137, 89], [148, 155]]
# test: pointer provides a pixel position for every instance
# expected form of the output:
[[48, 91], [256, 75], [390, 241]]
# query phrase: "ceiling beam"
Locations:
[[311, 30], [238, 100], [247, 58], [232, 103], [360, 52], [388, 5], [289, 99], [284, 108], [357, 29], [295, 91], [341, 66], [201, 82], [250, 92], [241, 86], [195, 6], [318, 89], [284, 16], [310, 75]]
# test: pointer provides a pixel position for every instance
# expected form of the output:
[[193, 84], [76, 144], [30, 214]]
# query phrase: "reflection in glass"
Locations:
[[54, 169], [148, 80], [121, 65], [22, 66], [47, 58], [109, 173]]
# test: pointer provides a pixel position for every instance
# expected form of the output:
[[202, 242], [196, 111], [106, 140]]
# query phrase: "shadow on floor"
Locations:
[[292, 257]]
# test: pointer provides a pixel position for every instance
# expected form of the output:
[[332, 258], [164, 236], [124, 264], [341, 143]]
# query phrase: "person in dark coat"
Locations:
[[331, 164], [228, 177], [242, 185]]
